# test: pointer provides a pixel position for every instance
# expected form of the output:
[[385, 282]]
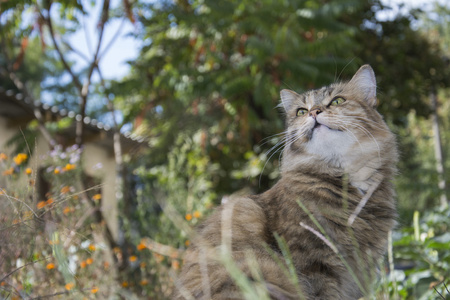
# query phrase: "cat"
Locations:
[[333, 207]]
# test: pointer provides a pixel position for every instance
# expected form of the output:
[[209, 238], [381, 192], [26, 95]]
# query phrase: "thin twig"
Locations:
[[76, 51], [438, 292], [27, 264], [48, 20], [391, 263], [363, 202], [162, 249], [57, 294], [113, 40], [86, 36], [320, 236], [23, 202], [78, 225]]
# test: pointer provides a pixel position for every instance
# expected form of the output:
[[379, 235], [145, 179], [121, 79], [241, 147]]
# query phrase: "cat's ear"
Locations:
[[288, 99], [364, 81]]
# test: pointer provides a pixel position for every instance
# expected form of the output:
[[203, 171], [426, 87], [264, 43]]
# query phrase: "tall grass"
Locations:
[[52, 245]]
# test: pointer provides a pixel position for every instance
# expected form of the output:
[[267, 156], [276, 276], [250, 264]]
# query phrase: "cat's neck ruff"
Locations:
[[363, 169]]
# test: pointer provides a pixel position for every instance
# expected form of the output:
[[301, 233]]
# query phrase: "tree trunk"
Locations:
[[438, 150]]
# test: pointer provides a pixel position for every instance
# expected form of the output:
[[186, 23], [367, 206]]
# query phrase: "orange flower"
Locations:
[[16, 221], [188, 217], [69, 286], [9, 171], [125, 284], [69, 167], [89, 261], [144, 282], [2, 191], [65, 190], [83, 264], [133, 258], [50, 266], [20, 158], [197, 214], [3, 283], [94, 290], [28, 171], [91, 247], [116, 250], [106, 265], [3, 156], [49, 201], [57, 171], [97, 197], [41, 204], [187, 243], [142, 265], [68, 210], [175, 264], [141, 246]]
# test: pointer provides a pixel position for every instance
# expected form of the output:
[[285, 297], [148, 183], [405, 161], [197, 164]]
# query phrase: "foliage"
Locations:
[[49, 243], [218, 67], [424, 249], [55, 245], [203, 93], [418, 178], [396, 50]]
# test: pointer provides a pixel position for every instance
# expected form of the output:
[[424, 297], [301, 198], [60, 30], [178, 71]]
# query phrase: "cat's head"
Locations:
[[336, 128]]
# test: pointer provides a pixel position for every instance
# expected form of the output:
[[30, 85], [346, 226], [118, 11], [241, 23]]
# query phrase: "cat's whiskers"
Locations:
[[373, 124], [274, 136], [273, 150], [286, 139], [346, 129], [292, 141], [370, 135], [278, 145], [349, 122]]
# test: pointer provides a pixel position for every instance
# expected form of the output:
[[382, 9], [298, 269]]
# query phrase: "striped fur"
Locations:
[[338, 163]]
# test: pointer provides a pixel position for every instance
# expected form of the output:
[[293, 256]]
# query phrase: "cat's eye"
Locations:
[[301, 112], [337, 101]]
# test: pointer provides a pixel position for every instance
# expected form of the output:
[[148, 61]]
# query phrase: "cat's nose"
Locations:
[[313, 113]]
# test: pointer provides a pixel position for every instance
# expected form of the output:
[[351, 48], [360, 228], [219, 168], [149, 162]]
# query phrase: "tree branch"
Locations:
[[85, 89], [22, 87], [48, 20]]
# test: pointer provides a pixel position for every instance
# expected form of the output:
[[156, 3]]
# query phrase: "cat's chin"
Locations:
[[319, 128], [324, 138], [329, 145]]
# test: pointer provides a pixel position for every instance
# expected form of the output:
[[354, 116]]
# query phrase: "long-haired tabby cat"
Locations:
[[331, 211]]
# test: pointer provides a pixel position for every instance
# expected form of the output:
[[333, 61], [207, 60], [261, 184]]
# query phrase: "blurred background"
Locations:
[[124, 123]]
